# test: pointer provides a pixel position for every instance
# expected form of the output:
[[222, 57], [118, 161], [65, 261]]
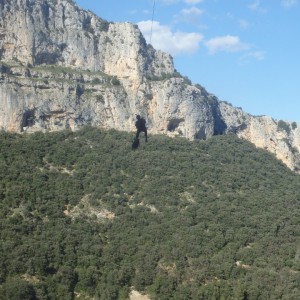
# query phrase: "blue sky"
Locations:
[[246, 52]]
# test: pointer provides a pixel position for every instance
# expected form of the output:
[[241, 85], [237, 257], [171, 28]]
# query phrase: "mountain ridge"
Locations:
[[64, 67]]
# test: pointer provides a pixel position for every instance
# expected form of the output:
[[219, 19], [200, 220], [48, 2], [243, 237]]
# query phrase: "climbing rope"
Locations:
[[153, 10]]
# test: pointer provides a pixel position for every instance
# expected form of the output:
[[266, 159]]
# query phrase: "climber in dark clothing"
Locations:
[[140, 125]]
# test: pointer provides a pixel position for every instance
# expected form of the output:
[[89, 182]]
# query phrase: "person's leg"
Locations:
[[146, 135], [137, 134]]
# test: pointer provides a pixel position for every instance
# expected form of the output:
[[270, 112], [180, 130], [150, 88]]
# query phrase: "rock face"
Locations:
[[279, 137], [63, 67]]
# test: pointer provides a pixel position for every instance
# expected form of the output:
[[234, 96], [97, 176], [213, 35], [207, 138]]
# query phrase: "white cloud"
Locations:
[[193, 1], [226, 43], [289, 3], [172, 42], [243, 24], [189, 15], [259, 55], [256, 6], [191, 11], [248, 57]]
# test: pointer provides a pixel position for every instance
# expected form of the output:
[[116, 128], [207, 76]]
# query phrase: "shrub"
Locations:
[[115, 81], [283, 126]]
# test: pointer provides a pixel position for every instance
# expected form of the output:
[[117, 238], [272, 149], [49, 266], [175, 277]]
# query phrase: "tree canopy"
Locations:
[[83, 216]]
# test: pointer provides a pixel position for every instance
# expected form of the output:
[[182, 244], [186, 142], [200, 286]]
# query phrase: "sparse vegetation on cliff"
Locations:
[[282, 125]]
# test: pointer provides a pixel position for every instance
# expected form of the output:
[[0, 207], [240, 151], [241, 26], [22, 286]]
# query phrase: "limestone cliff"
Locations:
[[279, 137], [63, 67]]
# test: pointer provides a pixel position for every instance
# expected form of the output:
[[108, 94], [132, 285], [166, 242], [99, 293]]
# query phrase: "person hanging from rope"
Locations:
[[140, 125]]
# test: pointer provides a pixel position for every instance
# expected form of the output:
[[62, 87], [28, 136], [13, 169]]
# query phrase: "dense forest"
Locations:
[[84, 216]]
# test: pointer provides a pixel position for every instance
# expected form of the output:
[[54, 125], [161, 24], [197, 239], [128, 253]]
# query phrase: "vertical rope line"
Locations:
[[152, 20]]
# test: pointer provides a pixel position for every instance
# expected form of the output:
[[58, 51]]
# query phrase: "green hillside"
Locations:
[[83, 216]]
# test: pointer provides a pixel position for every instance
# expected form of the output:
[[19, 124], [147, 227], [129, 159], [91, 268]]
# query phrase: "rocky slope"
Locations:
[[63, 67]]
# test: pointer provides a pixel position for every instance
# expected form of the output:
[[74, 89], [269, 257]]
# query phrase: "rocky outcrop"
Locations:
[[279, 137], [63, 67]]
